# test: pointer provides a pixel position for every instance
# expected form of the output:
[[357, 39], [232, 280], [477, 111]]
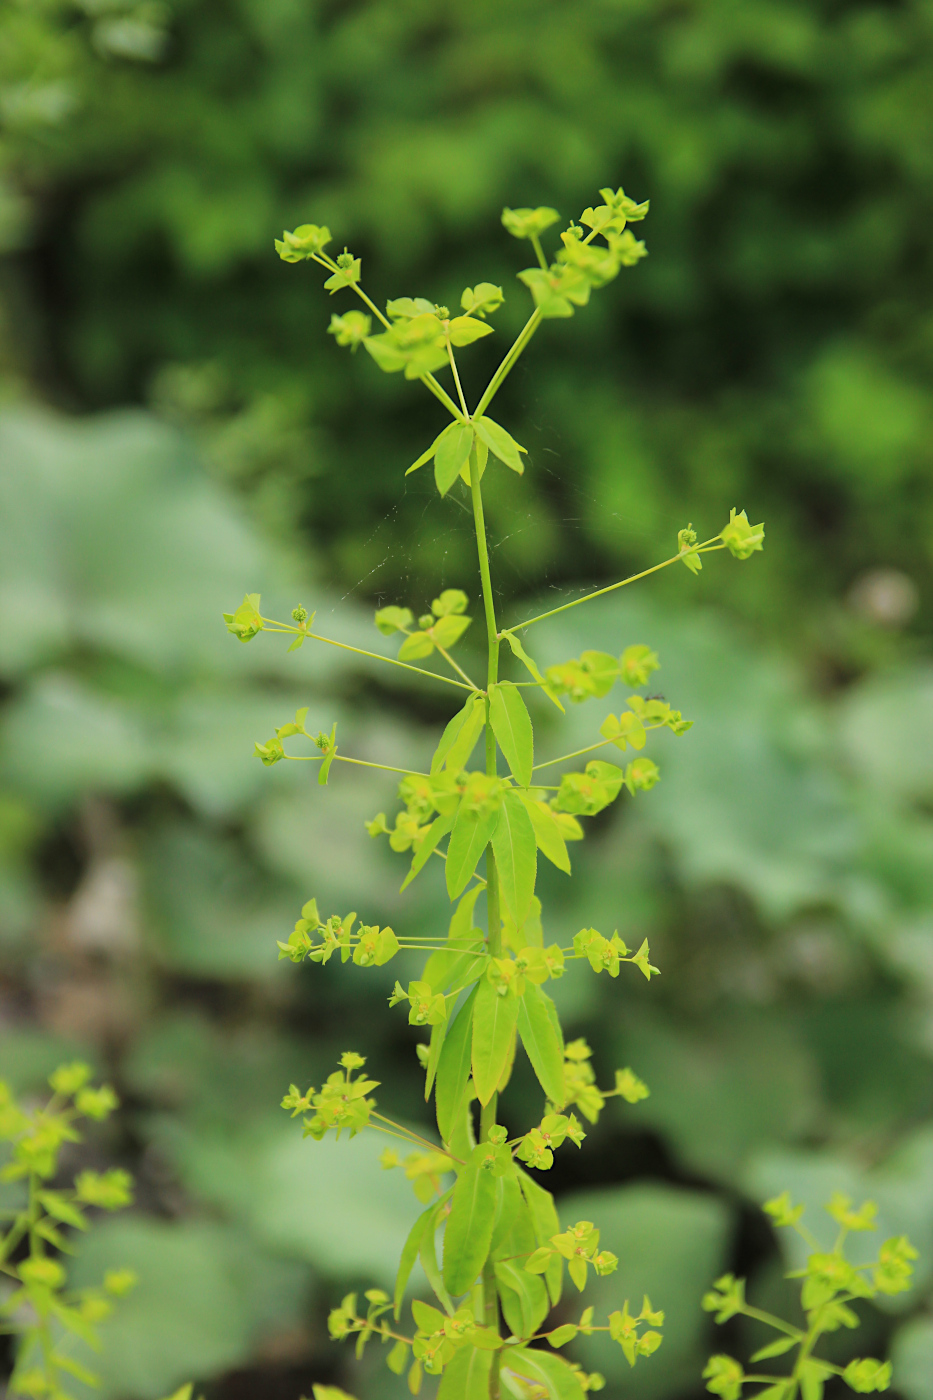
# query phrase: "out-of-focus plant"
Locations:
[[504, 1250], [39, 1309], [830, 1283]]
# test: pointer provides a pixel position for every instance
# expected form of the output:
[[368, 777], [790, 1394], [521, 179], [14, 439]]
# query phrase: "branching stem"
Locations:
[[270, 625], [709, 547]]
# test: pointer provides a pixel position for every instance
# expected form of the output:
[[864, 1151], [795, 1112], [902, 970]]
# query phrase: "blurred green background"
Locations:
[[176, 429]]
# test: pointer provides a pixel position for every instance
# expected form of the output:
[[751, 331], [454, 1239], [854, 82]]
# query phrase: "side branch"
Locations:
[[270, 625], [709, 547]]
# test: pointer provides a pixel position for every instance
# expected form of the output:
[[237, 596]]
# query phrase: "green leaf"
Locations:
[[453, 1068], [501, 443], [513, 843], [324, 770], [438, 829], [547, 832], [469, 838], [531, 665], [407, 308], [429, 453], [461, 923], [459, 738], [415, 646], [539, 1029], [393, 619], [465, 960], [524, 1298], [452, 600], [452, 452], [813, 1374], [427, 1253], [454, 728], [511, 724], [466, 1376], [482, 299], [412, 1246], [551, 1372], [494, 1021], [511, 1215], [482, 454], [438, 1034], [465, 329], [442, 966], [546, 1223], [62, 1209], [447, 631], [469, 1226], [528, 223], [778, 1348], [74, 1368]]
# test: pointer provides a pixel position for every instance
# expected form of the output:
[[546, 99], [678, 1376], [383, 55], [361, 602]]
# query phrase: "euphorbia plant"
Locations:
[[482, 823]]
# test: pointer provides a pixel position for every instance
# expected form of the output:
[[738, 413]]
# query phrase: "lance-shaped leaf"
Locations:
[[482, 454], [548, 834], [427, 1253], [531, 665], [539, 1028], [436, 1045], [429, 453], [501, 443], [413, 1245], [453, 1068], [466, 1375], [469, 1226], [546, 1224], [524, 1298], [443, 967], [558, 1381], [438, 829], [511, 724], [453, 451], [494, 1021], [456, 735], [471, 834], [513, 843]]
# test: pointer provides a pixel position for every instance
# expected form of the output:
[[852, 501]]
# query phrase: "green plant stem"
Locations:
[[803, 1355], [590, 749], [360, 651], [408, 1135], [459, 670], [427, 380], [440, 393], [453, 369], [709, 547], [772, 1321], [494, 938], [362, 762], [521, 340], [512, 354], [539, 252]]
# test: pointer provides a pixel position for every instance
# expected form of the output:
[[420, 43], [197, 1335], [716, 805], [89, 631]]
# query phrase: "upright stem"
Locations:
[[494, 943]]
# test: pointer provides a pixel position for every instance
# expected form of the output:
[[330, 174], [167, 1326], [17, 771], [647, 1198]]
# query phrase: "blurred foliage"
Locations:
[[776, 347], [774, 351]]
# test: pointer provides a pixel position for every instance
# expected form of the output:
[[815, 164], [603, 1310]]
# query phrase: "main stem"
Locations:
[[494, 941]]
